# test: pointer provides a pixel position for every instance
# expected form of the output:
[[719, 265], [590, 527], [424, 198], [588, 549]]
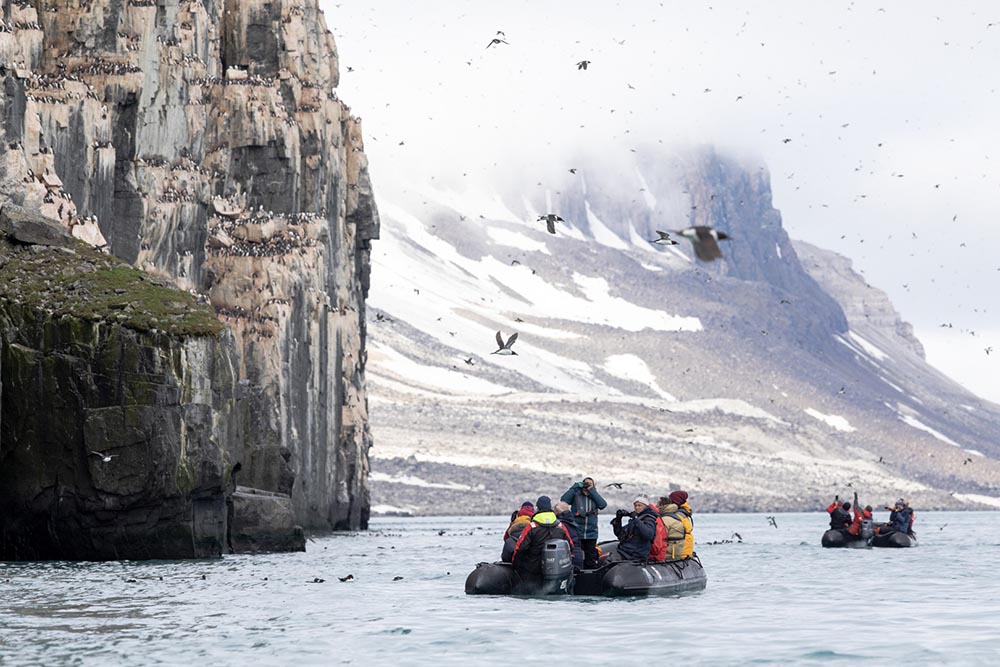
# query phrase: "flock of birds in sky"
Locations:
[[706, 247], [704, 239]]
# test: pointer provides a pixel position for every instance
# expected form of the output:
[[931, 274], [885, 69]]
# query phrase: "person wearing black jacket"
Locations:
[[565, 515], [636, 537], [544, 526], [840, 515]]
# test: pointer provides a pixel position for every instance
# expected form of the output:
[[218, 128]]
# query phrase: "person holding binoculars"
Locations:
[[585, 502], [636, 538]]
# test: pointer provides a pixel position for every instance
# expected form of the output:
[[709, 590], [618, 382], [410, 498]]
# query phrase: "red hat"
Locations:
[[678, 497]]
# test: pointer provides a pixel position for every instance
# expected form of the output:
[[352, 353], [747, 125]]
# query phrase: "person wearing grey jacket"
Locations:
[[585, 502]]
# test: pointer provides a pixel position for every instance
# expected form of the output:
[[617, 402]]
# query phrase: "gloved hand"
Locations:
[[620, 513]]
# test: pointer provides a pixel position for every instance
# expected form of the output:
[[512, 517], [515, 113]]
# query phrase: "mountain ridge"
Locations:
[[745, 380]]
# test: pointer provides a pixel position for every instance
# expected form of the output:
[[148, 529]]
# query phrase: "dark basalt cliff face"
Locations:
[[100, 361], [202, 142]]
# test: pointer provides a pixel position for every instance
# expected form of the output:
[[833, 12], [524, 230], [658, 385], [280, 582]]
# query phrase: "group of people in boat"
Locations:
[[653, 533], [900, 518]]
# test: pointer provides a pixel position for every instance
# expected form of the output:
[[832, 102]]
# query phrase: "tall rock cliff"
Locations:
[[203, 142], [121, 410]]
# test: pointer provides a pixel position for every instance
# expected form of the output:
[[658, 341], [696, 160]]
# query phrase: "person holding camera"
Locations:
[[840, 514], [900, 519], [585, 502], [635, 538]]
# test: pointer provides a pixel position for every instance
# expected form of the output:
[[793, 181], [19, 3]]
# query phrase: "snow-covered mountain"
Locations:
[[767, 381]]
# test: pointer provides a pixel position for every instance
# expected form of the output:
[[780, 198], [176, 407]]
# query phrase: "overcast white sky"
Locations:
[[892, 109]]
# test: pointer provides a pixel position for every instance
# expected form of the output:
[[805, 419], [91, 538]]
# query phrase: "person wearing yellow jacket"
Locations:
[[676, 517], [675, 529]]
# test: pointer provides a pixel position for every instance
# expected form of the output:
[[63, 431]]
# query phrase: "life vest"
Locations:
[[859, 519], [688, 521], [682, 547], [658, 550], [544, 526]]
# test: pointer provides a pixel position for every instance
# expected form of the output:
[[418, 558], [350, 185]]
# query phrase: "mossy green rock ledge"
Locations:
[[121, 415]]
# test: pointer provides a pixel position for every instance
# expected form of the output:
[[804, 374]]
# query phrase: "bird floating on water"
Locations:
[[504, 348], [550, 221], [705, 241]]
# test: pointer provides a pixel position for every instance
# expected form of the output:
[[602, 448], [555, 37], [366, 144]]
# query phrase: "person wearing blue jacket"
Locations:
[[635, 539], [585, 502]]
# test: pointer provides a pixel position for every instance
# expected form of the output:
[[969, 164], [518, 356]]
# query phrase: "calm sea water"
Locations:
[[775, 598]]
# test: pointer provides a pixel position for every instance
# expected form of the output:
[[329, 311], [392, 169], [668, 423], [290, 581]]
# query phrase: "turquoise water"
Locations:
[[776, 598]]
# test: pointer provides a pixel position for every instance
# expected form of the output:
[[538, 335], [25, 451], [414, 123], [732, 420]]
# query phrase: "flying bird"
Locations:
[[497, 40], [504, 348], [617, 485], [772, 521], [664, 238], [105, 458], [550, 221], [988, 350], [582, 64], [705, 241]]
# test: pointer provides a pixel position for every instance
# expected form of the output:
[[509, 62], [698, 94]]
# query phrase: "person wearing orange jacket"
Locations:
[[859, 516]]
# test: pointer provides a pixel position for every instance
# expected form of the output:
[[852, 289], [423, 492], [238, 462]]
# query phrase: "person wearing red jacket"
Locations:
[[840, 515], [859, 516]]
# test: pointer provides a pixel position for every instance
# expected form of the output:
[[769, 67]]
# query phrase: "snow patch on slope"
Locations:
[[733, 406], [506, 237], [601, 233], [444, 380], [834, 421], [646, 194], [631, 367], [872, 350], [409, 480], [977, 498], [910, 420]]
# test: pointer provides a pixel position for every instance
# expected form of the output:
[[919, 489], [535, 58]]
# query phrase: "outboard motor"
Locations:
[[557, 568], [867, 529]]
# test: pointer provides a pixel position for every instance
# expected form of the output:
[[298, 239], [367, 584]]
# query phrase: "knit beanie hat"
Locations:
[[641, 499], [543, 504], [678, 497]]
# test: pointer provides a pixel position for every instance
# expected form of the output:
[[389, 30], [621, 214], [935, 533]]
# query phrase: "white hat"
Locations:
[[641, 499]]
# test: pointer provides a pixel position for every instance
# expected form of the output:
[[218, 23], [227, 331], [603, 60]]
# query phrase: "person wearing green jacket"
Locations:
[[585, 502]]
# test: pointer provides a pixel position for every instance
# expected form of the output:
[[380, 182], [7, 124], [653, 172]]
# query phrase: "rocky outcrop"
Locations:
[[121, 412], [865, 307], [203, 142]]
